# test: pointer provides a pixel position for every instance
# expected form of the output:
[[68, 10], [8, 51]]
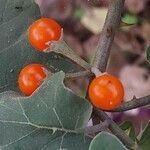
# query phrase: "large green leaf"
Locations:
[[12, 8], [48, 119], [106, 141], [13, 29], [148, 54], [145, 139], [12, 36]]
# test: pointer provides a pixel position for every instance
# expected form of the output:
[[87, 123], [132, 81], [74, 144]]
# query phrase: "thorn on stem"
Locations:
[[109, 31]]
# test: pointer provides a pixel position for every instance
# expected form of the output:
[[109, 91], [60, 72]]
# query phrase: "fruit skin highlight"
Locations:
[[42, 32], [31, 77], [106, 92]]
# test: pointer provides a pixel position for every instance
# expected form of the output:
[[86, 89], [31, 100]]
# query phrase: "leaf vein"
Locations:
[[40, 127], [19, 139], [23, 111]]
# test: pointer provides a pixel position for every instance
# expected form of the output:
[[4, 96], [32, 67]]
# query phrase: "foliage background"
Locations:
[[82, 22]]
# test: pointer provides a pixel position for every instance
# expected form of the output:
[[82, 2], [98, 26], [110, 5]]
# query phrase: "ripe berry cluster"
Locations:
[[40, 34], [105, 91]]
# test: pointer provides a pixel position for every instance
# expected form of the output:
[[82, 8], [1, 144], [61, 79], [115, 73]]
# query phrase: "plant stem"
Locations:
[[116, 129], [134, 103], [112, 22], [125, 106], [92, 130], [78, 74]]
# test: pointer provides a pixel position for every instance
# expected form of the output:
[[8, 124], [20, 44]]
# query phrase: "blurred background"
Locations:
[[82, 21]]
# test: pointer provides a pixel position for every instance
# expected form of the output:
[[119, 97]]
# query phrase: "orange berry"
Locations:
[[42, 31], [106, 92], [31, 77]]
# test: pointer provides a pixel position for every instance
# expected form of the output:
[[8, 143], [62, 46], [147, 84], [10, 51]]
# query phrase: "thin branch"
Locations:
[[92, 130], [79, 74], [135, 103], [112, 22], [100, 60], [116, 130], [125, 106]]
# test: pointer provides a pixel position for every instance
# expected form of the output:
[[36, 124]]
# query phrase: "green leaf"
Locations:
[[106, 141], [148, 54], [145, 139], [130, 19], [14, 28], [12, 8], [48, 119], [129, 128], [78, 13]]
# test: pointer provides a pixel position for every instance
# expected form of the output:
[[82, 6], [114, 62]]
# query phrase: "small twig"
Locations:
[[116, 130], [112, 22], [79, 74], [135, 103], [92, 130]]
